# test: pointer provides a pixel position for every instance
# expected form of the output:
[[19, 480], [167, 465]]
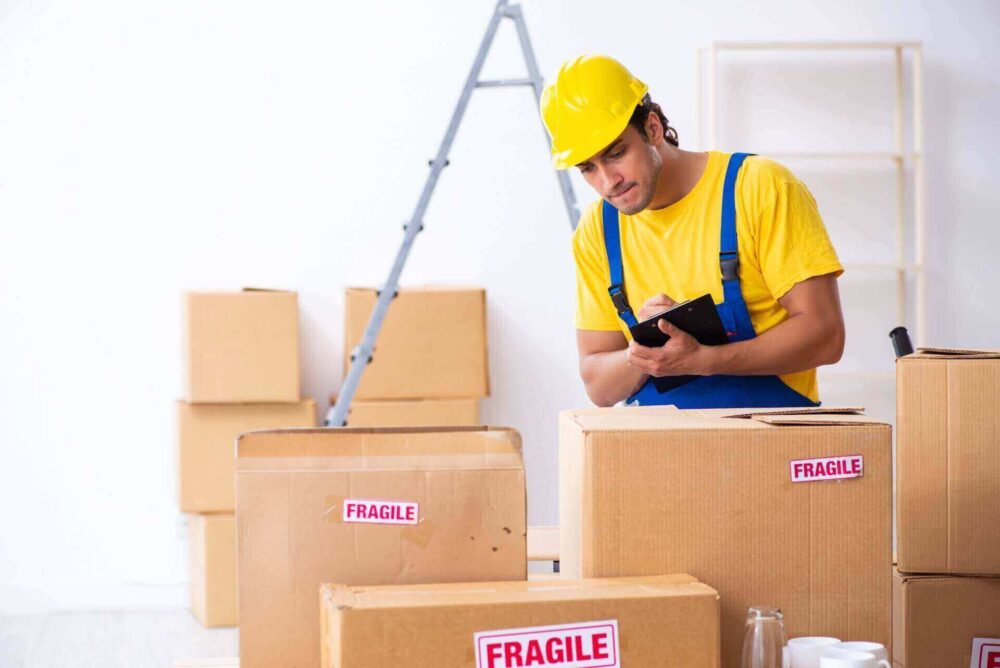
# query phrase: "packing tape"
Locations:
[[421, 534], [332, 514]]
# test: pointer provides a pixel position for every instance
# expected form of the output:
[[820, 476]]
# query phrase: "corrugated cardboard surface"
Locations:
[[670, 620], [291, 484], [412, 412], [948, 463], [241, 347], [935, 618], [206, 435], [212, 550], [432, 343], [658, 490]]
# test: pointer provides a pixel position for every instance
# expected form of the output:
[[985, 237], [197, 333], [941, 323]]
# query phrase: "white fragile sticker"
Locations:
[[985, 653], [584, 645], [372, 511], [827, 468]]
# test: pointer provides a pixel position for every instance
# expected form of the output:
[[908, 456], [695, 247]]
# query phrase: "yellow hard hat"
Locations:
[[587, 105]]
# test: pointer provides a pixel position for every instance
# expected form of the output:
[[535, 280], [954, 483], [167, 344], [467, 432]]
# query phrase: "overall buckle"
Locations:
[[619, 299], [730, 265]]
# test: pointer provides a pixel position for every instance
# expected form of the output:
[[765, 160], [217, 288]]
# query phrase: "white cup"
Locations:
[[846, 658], [805, 652], [861, 646]]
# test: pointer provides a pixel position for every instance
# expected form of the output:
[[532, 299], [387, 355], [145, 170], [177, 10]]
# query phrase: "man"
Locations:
[[674, 225]]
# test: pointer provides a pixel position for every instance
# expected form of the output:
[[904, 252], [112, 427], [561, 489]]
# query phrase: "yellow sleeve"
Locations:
[[594, 309], [792, 241]]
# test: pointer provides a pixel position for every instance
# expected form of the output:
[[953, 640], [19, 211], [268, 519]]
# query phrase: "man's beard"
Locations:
[[645, 197], [645, 189]]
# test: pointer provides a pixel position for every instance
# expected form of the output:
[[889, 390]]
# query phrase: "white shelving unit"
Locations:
[[707, 96]]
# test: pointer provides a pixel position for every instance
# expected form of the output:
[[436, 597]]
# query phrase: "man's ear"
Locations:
[[654, 129]]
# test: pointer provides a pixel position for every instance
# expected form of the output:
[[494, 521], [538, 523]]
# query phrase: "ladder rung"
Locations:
[[497, 83]]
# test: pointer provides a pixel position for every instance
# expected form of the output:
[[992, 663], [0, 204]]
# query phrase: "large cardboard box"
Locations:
[[668, 620], [367, 507], [412, 412], [432, 344], [206, 445], [212, 566], [241, 347], [936, 618], [948, 462], [786, 510]]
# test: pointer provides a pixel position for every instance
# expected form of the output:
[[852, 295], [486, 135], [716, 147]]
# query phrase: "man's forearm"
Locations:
[[609, 378], [797, 344]]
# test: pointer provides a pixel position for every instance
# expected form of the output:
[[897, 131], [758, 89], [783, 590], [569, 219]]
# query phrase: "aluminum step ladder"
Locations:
[[361, 356]]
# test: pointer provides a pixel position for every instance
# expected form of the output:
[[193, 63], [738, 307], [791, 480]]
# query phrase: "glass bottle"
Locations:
[[764, 638]]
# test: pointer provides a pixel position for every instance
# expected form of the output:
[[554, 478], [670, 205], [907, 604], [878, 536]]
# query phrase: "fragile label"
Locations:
[[369, 511], [985, 653], [827, 468], [585, 645]]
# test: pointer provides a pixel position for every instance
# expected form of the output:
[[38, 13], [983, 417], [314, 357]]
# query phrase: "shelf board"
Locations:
[[887, 156], [835, 374], [882, 266], [543, 543], [813, 46]]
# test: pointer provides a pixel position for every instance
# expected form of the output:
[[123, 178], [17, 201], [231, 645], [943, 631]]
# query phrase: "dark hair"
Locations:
[[642, 111]]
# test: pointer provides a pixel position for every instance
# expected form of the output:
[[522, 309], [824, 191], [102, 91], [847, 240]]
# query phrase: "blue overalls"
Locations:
[[707, 391]]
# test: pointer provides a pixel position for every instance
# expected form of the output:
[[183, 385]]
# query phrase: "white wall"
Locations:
[[147, 148]]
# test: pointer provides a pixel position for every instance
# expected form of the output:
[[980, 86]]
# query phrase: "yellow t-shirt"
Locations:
[[675, 250]]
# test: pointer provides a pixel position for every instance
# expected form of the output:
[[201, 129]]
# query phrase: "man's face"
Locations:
[[626, 172]]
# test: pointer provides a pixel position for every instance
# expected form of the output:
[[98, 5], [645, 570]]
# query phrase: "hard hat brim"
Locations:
[[601, 138]]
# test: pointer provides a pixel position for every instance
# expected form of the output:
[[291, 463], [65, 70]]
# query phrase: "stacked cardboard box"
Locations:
[[359, 506], [429, 366], [792, 510], [947, 584], [241, 373], [670, 620]]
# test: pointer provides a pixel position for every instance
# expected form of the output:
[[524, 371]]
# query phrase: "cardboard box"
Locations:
[[948, 462], [670, 620], [212, 565], [432, 344], [659, 490], [412, 412], [206, 445], [241, 347], [935, 619], [366, 507]]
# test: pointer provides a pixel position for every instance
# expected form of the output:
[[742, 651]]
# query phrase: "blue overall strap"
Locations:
[[613, 249], [729, 261]]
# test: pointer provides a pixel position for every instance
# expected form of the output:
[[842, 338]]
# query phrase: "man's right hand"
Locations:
[[655, 304]]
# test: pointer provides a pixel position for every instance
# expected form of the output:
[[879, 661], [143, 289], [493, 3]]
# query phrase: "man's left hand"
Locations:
[[682, 355]]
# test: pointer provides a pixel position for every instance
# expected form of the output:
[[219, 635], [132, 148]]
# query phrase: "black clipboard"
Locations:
[[697, 317]]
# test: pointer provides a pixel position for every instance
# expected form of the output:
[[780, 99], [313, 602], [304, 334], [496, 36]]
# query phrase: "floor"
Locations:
[[133, 639]]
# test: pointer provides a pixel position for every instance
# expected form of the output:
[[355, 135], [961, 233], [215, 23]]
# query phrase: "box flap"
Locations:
[[252, 289], [831, 420], [955, 353], [933, 577], [659, 418], [494, 593], [822, 416], [422, 288], [388, 448], [628, 418], [745, 413]]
